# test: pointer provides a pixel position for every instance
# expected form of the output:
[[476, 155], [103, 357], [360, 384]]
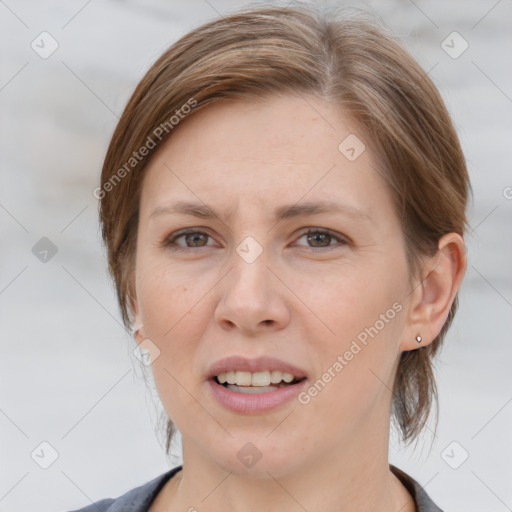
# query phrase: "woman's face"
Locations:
[[329, 307]]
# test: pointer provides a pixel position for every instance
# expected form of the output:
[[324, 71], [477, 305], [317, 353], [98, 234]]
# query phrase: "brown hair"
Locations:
[[350, 60]]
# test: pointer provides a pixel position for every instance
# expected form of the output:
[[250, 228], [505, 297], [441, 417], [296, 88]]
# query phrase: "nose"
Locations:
[[252, 298]]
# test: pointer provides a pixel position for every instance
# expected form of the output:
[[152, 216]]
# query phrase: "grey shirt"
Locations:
[[140, 498]]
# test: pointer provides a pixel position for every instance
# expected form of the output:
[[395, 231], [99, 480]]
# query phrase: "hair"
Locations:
[[351, 61]]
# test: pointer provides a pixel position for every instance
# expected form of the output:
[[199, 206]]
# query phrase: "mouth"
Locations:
[[252, 386], [266, 381], [255, 399]]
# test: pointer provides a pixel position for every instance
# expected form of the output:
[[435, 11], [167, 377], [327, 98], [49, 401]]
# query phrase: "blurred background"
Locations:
[[77, 421]]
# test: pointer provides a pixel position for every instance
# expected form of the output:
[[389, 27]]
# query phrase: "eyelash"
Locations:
[[169, 241]]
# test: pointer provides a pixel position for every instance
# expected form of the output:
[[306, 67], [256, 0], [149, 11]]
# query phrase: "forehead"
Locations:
[[283, 149]]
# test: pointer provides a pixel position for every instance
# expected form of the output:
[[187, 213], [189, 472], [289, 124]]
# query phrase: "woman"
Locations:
[[283, 205]]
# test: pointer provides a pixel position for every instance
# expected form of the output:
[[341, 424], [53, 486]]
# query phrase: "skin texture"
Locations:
[[299, 301]]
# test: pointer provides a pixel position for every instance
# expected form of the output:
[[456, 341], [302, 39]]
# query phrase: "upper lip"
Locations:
[[259, 364]]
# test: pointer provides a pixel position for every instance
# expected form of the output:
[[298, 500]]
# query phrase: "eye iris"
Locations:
[[314, 237], [194, 238]]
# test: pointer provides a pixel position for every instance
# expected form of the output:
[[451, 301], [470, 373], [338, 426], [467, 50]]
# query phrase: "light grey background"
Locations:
[[67, 373]]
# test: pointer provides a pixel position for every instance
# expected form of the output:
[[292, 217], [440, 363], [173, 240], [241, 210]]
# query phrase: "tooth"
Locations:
[[256, 379], [276, 376], [243, 378], [261, 378]]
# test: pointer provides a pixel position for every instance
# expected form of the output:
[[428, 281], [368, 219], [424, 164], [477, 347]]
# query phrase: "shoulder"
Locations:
[[421, 498], [97, 506], [136, 500]]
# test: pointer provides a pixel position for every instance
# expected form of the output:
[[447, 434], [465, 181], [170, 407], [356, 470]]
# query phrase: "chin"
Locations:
[[259, 458]]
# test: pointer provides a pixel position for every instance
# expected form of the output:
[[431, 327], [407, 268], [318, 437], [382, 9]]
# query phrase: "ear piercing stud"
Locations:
[[418, 338]]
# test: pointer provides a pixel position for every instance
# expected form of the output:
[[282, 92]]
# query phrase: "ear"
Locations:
[[433, 296], [138, 327]]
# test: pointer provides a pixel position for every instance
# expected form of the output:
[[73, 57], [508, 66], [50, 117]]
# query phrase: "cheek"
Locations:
[[167, 297], [173, 320], [175, 312], [346, 301], [362, 322]]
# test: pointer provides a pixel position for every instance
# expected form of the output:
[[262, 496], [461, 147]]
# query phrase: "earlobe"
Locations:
[[138, 333], [433, 297], [138, 327]]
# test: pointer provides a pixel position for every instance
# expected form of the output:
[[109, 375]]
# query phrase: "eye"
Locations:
[[321, 238], [193, 239]]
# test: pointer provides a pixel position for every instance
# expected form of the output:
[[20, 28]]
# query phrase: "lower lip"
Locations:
[[255, 402]]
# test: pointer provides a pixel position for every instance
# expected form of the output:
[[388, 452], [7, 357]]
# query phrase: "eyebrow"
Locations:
[[281, 213]]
